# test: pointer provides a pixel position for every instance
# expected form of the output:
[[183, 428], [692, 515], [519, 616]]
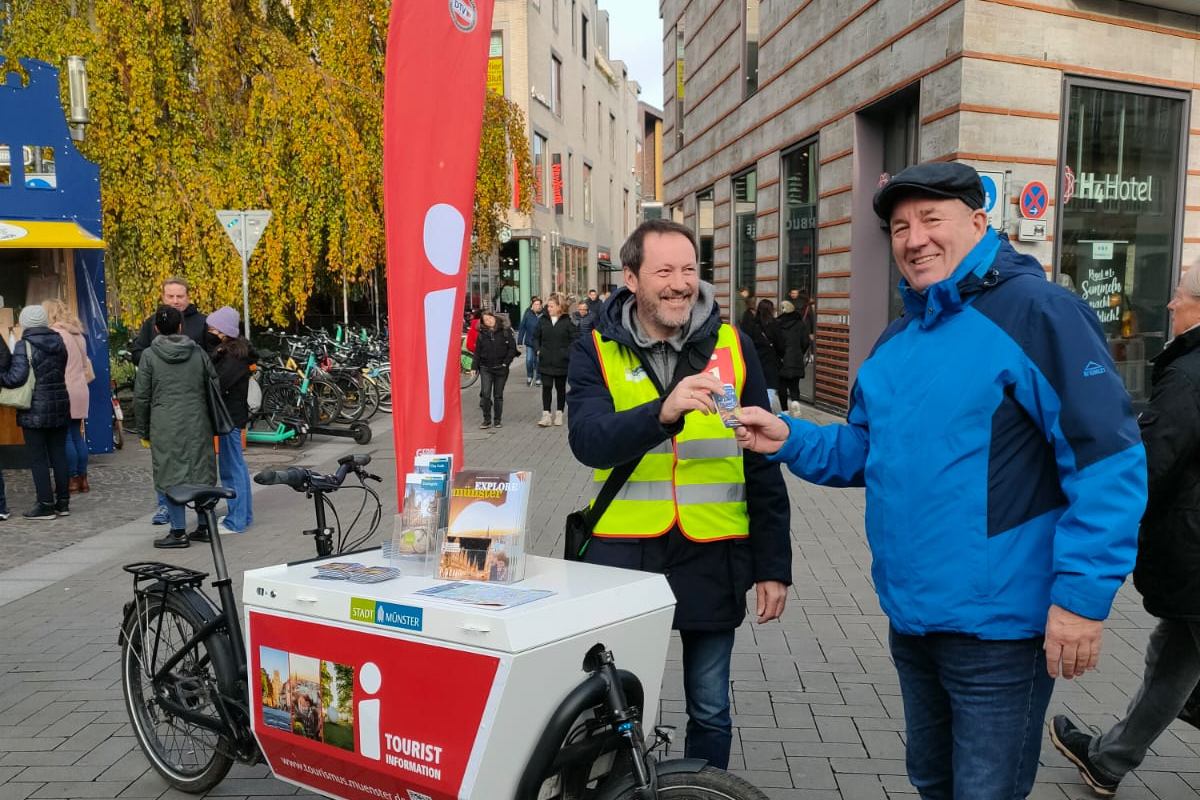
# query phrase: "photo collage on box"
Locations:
[[308, 697]]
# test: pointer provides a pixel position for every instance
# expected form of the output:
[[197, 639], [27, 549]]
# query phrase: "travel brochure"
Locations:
[[485, 534], [484, 594]]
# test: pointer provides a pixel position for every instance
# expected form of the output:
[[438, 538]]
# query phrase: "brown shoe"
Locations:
[[73, 485], [83, 484]]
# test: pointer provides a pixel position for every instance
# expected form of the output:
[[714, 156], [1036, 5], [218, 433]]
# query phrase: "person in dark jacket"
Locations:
[[14, 371], [495, 349], [231, 357], [170, 401], [711, 544], [796, 341], [525, 337], [194, 326], [1167, 572], [768, 344], [175, 295], [44, 423], [584, 318], [553, 339]]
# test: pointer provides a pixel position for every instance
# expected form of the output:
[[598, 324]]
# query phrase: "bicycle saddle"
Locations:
[[186, 493]]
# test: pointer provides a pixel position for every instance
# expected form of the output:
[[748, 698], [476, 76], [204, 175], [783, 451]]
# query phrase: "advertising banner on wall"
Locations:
[[434, 84]]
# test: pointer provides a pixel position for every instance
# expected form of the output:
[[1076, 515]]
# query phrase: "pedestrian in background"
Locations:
[[1002, 492], [741, 306], [170, 401], [713, 520], [796, 342], [495, 349], [44, 424], [553, 339], [525, 336], [764, 332], [193, 325], [1168, 560], [231, 357], [78, 375], [14, 370], [584, 318]]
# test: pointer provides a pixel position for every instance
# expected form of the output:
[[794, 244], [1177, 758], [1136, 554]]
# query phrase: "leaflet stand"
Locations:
[[363, 691]]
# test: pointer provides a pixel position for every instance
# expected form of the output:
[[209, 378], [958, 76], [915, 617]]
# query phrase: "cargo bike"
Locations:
[[358, 691]]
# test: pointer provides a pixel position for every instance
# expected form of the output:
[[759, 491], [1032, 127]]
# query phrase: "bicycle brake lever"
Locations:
[[369, 476]]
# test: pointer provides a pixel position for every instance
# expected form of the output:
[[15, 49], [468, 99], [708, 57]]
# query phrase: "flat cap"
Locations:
[[932, 179]]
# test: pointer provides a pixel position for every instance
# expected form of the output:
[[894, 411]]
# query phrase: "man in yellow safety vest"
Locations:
[[712, 519]]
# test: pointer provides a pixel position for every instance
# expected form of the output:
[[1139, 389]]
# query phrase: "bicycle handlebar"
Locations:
[[305, 480]]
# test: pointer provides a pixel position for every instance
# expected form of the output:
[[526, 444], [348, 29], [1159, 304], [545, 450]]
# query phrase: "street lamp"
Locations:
[[77, 96]]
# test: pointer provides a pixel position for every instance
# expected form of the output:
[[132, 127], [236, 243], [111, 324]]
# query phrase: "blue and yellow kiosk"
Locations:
[[50, 236]]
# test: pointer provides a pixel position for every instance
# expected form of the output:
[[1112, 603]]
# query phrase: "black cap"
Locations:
[[933, 179]]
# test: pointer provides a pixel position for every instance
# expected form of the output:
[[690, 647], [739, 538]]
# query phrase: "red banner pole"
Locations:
[[434, 85]]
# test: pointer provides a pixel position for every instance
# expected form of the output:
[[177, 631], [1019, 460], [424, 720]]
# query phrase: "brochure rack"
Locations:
[[368, 691]]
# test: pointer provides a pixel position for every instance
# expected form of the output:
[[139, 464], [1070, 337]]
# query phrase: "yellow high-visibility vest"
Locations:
[[697, 478]]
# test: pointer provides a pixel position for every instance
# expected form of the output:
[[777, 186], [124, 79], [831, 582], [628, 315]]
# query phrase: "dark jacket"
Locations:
[[528, 327], [1168, 559], [195, 327], [14, 367], [51, 407], [768, 345], [494, 349], [232, 364], [796, 341], [709, 579], [170, 402], [584, 322], [553, 344]]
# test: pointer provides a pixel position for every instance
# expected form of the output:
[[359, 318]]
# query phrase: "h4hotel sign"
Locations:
[[1109, 186]]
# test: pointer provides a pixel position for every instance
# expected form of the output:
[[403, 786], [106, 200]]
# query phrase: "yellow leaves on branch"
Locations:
[[503, 143], [200, 105]]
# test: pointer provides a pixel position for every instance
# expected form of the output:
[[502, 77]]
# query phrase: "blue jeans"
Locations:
[[531, 363], [974, 712], [235, 475], [177, 513], [706, 656], [77, 452]]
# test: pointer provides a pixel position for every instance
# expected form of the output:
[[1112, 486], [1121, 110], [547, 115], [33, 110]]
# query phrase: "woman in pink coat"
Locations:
[[79, 374]]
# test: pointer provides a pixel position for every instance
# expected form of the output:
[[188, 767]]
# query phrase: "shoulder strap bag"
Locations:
[[218, 414], [20, 397]]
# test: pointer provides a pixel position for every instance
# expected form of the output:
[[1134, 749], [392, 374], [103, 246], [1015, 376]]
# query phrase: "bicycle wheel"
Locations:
[[279, 398], [190, 758], [118, 435], [329, 399], [370, 393], [384, 379], [353, 399], [709, 783]]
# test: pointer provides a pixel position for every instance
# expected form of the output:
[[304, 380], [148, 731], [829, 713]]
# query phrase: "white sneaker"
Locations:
[[558, 418], [544, 422], [794, 408], [226, 530]]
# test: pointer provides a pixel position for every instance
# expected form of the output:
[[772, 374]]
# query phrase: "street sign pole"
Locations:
[[245, 279]]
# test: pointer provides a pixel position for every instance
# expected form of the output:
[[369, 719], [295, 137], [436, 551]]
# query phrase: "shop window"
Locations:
[[39, 167], [1119, 201], [5, 166], [704, 209], [799, 220], [750, 62], [540, 171], [745, 201]]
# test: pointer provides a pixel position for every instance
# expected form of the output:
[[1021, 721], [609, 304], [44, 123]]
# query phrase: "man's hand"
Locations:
[[771, 597], [1072, 640], [694, 393], [761, 431]]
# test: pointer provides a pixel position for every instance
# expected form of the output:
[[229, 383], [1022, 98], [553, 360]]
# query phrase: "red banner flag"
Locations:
[[434, 83]]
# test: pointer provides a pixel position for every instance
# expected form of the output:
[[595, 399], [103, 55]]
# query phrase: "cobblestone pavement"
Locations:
[[816, 702]]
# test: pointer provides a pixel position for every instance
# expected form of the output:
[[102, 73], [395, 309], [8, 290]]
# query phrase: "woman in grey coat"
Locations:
[[170, 399]]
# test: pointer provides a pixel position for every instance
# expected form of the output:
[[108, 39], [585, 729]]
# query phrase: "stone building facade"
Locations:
[[551, 58], [780, 120]]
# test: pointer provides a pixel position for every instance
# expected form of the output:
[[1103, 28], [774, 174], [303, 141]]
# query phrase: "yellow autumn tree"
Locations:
[[199, 105], [503, 149]]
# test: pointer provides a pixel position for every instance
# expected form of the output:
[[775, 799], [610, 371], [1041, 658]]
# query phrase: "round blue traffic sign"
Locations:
[[990, 193]]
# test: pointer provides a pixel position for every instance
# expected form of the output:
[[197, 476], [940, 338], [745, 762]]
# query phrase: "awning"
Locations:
[[607, 266], [52, 235]]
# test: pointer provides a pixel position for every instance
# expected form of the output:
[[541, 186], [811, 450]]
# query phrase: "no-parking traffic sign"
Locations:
[[1034, 200]]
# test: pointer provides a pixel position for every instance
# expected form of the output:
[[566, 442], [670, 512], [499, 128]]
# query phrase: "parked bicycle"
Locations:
[[184, 674]]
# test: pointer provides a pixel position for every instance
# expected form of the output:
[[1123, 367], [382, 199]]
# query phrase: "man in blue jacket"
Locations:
[[1004, 481], [713, 520]]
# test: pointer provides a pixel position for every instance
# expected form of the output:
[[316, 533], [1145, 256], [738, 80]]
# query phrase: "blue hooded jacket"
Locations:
[[1002, 461]]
